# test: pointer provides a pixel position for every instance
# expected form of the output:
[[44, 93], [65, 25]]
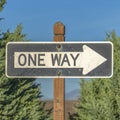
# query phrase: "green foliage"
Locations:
[[2, 3], [100, 98], [19, 98], [94, 100], [115, 80]]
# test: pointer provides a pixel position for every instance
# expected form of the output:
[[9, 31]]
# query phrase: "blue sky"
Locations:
[[84, 20]]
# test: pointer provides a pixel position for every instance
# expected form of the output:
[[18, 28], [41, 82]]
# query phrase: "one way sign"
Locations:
[[61, 59]]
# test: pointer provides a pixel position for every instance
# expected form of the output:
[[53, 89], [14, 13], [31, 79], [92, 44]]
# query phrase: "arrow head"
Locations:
[[90, 59]]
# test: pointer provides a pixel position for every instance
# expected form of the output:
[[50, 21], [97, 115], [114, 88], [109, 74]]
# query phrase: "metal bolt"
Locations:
[[59, 73], [58, 46]]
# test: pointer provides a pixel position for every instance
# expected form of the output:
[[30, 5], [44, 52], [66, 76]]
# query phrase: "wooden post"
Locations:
[[59, 97]]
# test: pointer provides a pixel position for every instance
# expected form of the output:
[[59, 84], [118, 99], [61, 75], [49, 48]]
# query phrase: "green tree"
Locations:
[[115, 80], [94, 100], [2, 3], [20, 99], [100, 98]]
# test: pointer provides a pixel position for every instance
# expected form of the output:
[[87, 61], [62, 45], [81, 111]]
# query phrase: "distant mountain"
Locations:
[[72, 95]]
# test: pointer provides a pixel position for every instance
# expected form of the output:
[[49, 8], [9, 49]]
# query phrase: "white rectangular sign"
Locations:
[[47, 59]]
